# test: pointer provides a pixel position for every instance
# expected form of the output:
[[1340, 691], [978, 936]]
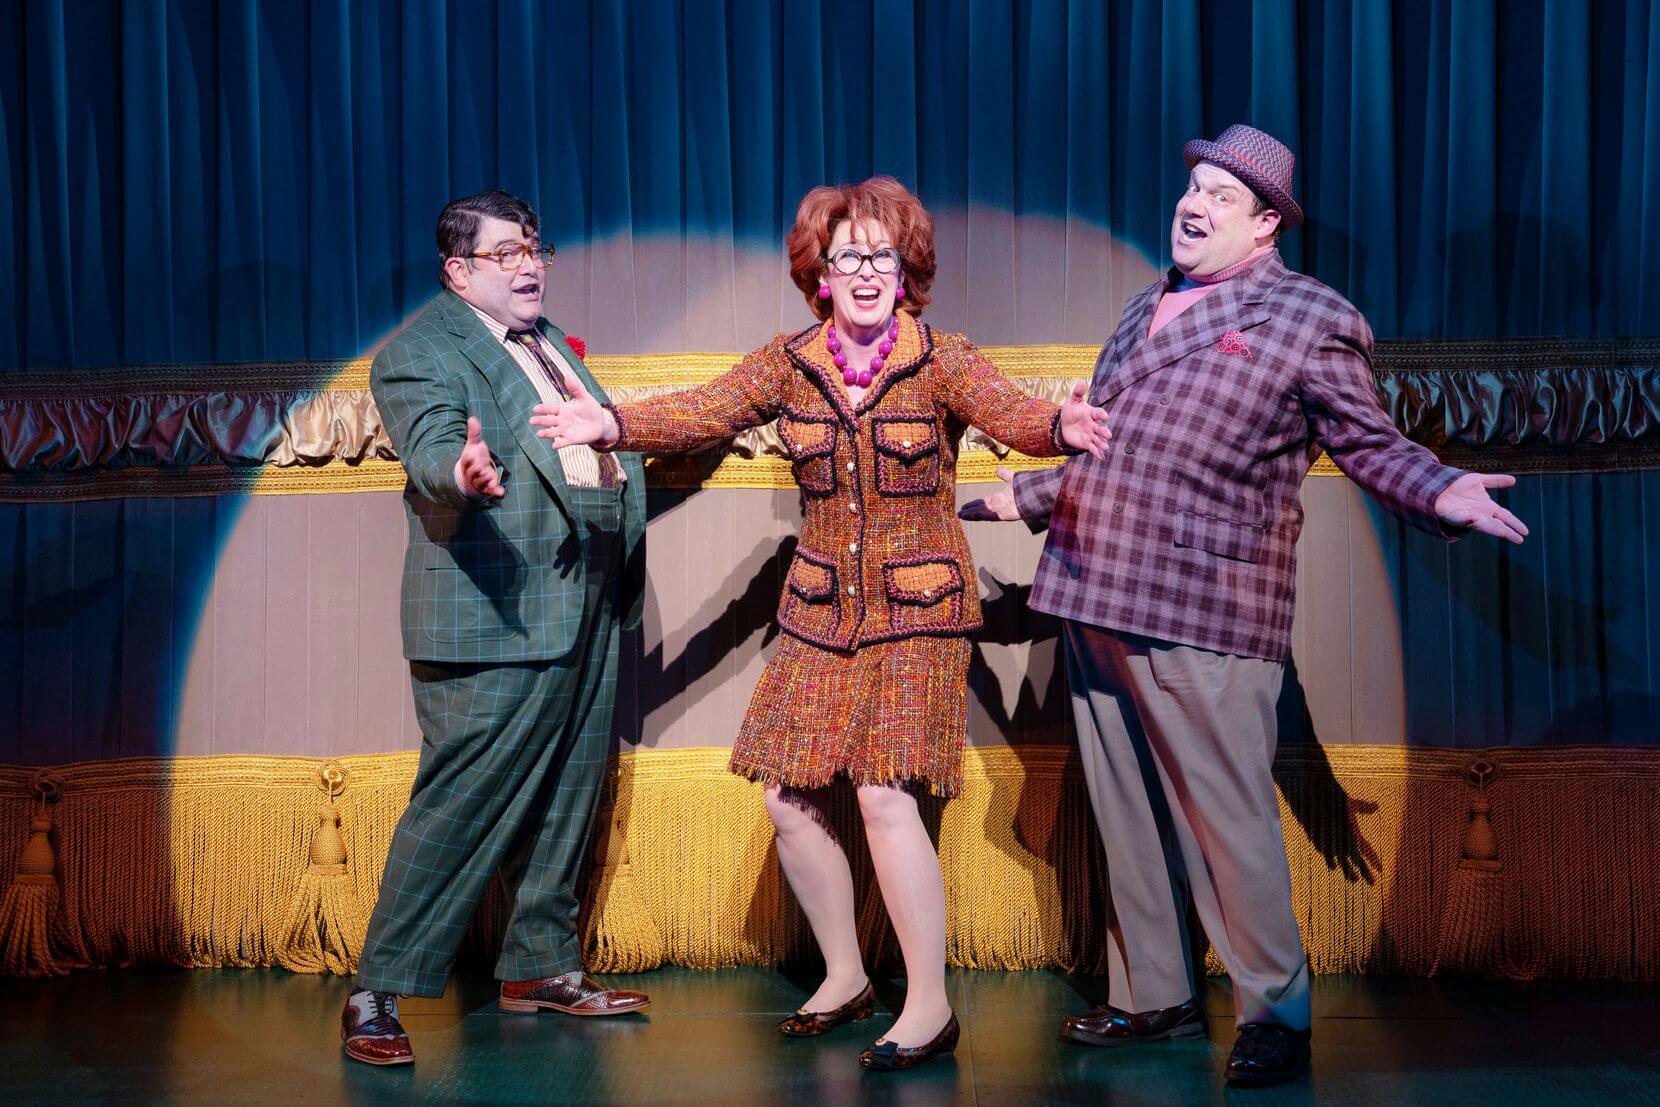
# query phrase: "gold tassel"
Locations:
[[27, 911], [1473, 939], [620, 933], [325, 927]]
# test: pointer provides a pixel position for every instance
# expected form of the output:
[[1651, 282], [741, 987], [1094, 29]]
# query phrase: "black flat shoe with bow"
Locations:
[[810, 1024], [886, 1056]]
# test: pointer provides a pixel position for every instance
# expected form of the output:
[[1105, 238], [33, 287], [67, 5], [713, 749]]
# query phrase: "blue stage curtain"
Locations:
[[216, 180], [208, 181]]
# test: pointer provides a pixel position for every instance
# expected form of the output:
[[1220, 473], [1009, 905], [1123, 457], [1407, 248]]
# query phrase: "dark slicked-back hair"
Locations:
[[458, 223]]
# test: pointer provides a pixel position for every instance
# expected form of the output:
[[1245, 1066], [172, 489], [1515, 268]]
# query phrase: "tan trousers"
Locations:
[[1178, 749]]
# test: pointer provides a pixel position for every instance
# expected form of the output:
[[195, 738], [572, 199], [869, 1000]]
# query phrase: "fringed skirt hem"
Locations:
[[888, 713], [946, 787]]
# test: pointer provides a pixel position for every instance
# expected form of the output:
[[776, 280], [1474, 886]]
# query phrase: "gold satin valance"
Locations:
[[306, 428]]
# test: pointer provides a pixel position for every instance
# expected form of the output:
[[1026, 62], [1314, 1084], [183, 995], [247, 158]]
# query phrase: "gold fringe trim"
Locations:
[[619, 924], [209, 862]]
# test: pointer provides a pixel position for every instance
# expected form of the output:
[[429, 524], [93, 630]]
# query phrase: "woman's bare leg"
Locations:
[[908, 870], [816, 866]]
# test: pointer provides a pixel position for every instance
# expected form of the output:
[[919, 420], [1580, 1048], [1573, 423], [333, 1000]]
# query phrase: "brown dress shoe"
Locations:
[[808, 1024], [583, 997], [886, 1056], [1108, 1026], [377, 1040]]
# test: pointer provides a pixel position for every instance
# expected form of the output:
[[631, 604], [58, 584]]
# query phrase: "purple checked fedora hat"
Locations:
[[1257, 158]]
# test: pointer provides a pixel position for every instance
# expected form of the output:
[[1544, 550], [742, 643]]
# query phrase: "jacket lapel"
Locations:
[[557, 338], [1235, 306], [810, 354], [515, 395], [1122, 344]]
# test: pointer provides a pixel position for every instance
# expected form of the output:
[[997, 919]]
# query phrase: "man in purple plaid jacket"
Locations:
[[1172, 566]]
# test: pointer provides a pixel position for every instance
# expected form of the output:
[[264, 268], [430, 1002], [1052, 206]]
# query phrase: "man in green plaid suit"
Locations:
[[523, 565]]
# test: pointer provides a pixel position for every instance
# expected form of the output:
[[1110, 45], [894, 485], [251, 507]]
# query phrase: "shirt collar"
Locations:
[[1184, 282], [496, 329]]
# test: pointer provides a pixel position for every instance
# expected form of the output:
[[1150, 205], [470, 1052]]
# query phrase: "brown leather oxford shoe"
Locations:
[[377, 1040], [1108, 1026], [583, 997]]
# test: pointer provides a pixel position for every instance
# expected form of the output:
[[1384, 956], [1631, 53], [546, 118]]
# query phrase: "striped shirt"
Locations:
[[581, 463]]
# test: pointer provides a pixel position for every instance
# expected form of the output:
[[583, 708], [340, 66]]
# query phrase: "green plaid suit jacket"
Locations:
[[494, 582]]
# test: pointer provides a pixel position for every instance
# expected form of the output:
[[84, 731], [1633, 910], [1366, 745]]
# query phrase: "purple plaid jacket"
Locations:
[[1187, 532]]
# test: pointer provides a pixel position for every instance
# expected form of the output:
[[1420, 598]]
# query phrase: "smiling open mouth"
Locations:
[[1192, 231], [866, 297]]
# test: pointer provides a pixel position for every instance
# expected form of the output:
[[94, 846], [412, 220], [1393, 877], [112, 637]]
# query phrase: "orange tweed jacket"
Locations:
[[882, 555]]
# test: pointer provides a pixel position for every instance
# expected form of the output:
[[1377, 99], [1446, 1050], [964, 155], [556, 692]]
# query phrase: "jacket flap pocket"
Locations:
[[806, 439], [907, 440], [922, 582], [1231, 538], [811, 579]]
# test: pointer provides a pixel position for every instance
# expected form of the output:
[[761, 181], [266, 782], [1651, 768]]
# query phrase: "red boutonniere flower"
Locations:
[[578, 347]]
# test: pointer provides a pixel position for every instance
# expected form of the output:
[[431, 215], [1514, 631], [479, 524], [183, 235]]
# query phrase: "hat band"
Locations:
[[1246, 160]]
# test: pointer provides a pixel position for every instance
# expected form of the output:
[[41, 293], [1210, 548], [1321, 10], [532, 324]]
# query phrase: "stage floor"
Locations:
[[271, 1037]]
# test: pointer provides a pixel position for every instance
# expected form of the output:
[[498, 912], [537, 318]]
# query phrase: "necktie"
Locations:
[[608, 469], [527, 339]]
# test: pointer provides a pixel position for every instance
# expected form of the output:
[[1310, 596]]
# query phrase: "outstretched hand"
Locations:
[[1465, 503], [578, 421], [1084, 426], [476, 468], [999, 506]]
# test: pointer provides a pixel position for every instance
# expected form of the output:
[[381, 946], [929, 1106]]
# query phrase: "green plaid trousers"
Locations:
[[512, 759]]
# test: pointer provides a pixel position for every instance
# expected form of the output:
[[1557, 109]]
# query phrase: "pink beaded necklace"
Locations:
[[861, 377]]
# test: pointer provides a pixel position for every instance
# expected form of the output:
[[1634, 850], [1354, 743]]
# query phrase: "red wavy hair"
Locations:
[[881, 200]]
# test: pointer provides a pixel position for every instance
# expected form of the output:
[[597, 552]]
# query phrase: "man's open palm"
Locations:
[[1465, 503]]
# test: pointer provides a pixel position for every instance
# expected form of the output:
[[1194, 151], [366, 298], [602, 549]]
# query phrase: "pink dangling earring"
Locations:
[[823, 291], [899, 293]]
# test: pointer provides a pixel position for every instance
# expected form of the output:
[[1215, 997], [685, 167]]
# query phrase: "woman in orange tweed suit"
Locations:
[[870, 680]]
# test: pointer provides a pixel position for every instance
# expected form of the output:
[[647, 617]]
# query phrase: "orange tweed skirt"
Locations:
[[891, 712]]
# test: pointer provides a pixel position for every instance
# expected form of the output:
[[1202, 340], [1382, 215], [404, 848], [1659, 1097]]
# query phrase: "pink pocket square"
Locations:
[[1233, 343]]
